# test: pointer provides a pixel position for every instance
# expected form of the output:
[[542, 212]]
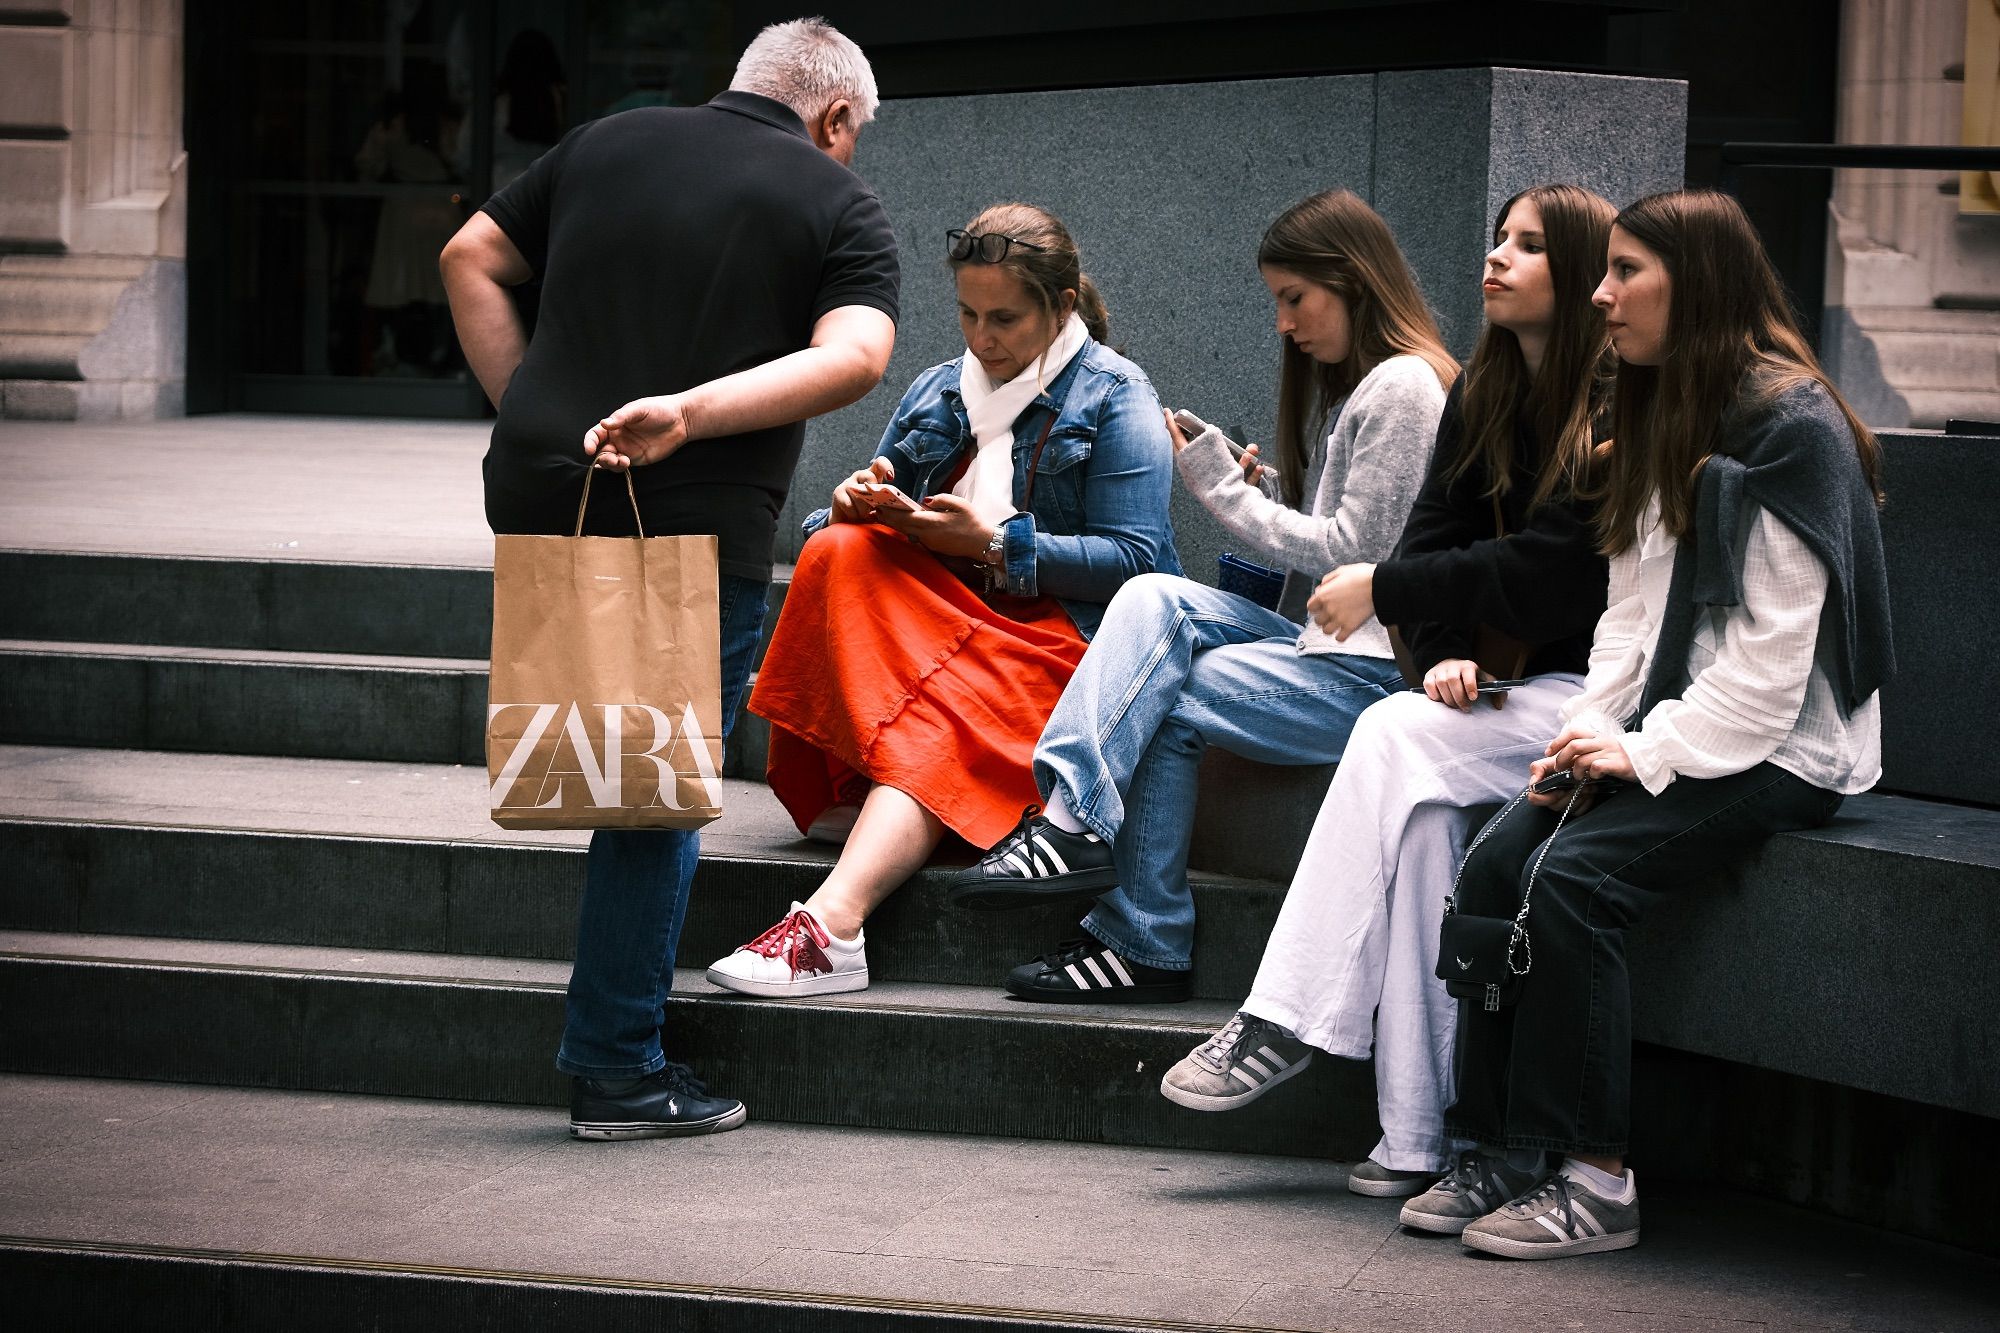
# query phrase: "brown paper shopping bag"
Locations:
[[605, 704]]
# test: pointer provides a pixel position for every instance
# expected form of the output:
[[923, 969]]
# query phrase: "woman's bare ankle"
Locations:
[[840, 919]]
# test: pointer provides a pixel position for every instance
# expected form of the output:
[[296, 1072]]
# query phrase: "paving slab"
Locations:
[[249, 486], [1137, 1234], [1711, 1255]]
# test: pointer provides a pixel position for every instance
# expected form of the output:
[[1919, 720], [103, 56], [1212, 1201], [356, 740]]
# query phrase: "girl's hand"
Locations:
[[1253, 471], [1589, 755], [850, 504], [1344, 600], [1454, 682], [946, 525], [1586, 754]]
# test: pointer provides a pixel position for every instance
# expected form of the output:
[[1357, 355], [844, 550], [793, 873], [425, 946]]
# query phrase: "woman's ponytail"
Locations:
[[1090, 308]]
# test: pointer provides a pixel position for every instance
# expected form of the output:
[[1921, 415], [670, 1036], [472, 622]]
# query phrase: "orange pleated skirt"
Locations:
[[886, 668]]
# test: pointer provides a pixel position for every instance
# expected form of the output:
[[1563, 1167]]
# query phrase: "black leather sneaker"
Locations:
[[1036, 863], [668, 1104], [1085, 972]]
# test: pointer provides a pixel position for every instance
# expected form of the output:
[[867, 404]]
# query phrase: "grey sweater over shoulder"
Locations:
[[1363, 481]]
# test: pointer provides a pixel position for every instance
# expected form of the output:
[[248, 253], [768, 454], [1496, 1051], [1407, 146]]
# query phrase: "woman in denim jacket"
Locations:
[[945, 597]]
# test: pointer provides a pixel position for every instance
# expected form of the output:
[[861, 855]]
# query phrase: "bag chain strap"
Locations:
[[1520, 935]]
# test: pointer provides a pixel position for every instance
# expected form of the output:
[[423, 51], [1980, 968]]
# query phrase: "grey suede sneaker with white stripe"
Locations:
[[1236, 1066], [1564, 1216], [1036, 863], [1476, 1186]]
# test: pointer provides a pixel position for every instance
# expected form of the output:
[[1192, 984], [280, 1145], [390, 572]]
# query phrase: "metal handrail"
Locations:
[[1879, 156]]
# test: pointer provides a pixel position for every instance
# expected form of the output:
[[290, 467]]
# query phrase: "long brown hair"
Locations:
[[1335, 240], [1560, 403], [1046, 272], [1727, 323]]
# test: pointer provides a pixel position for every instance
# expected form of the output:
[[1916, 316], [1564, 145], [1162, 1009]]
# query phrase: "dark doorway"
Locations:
[[335, 145]]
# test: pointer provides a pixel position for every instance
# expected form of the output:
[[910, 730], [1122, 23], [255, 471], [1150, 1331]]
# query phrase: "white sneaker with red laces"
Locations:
[[798, 956]]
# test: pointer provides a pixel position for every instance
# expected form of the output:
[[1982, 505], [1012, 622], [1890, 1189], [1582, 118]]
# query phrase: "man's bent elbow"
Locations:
[[865, 369]]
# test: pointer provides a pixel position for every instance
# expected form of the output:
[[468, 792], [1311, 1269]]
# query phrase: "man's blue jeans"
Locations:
[[635, 896], [1178, 666]]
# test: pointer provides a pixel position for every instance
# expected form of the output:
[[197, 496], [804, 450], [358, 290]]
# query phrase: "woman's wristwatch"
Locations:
[[994, 557]]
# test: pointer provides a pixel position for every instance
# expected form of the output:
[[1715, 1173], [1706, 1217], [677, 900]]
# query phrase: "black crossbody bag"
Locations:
[[1488, 958]]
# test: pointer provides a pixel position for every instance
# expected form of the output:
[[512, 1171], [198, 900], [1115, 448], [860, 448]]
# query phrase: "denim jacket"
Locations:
[[1098, 514]]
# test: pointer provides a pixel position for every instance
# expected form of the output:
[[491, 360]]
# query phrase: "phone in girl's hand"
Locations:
[[1192, 425]]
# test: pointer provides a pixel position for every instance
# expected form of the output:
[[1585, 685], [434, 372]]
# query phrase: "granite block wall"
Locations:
[[1167, 190], [1940, 729]]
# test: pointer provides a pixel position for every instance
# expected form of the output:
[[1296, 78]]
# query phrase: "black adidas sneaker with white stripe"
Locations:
[[1085, 972], [1036, 863]]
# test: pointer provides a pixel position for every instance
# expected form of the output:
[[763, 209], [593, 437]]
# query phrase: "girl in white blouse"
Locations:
[[1732, 694]]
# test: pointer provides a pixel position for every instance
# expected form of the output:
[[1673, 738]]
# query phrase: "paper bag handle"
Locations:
[[630, 493]]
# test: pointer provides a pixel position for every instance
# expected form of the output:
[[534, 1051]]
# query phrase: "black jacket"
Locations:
[[1542, 583]]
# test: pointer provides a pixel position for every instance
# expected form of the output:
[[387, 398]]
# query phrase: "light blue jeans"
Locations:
[[1178, 666]]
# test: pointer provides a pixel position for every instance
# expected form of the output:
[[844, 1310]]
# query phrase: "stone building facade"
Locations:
[[93, 211], [1912, 325], [94, 215]]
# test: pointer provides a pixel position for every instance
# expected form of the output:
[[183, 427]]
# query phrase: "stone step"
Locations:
[[1926, 319], [899, 1055], [155, 1205], [244, 701], [1930, 409], [277, 604], [1936, 361], [1250, 818], [310, 705], [909, 1230], [403, 857]]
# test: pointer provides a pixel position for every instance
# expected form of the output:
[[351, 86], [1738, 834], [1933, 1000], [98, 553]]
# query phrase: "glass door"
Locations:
[[338, 144]]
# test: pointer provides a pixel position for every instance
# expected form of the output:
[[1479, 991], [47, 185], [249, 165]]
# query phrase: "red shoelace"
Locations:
[[799, 940]]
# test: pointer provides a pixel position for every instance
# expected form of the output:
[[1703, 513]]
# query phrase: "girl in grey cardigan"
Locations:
[[1178, 666]]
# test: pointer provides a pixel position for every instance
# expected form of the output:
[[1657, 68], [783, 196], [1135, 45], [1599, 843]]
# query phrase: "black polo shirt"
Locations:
[[676, 245]]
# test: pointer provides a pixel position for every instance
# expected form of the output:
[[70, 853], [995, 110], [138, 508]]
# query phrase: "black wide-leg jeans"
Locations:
[[1554, 1070]]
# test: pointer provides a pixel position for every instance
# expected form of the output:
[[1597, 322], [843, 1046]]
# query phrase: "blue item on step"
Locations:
[[1247, 580]]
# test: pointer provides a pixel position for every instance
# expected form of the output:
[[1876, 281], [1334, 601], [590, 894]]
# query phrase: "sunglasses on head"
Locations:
[[990, 248]]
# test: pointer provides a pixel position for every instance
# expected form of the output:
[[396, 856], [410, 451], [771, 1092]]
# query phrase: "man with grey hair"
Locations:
[[814, 70], [711, 277]]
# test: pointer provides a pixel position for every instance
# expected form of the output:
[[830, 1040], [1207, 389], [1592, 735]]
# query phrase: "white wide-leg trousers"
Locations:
[[1351, 964]]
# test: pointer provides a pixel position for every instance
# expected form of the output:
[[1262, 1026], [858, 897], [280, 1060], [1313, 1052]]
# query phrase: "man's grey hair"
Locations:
[[808, 64]]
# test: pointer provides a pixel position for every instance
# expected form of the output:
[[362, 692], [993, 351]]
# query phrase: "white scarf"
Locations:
[[988, 483]]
